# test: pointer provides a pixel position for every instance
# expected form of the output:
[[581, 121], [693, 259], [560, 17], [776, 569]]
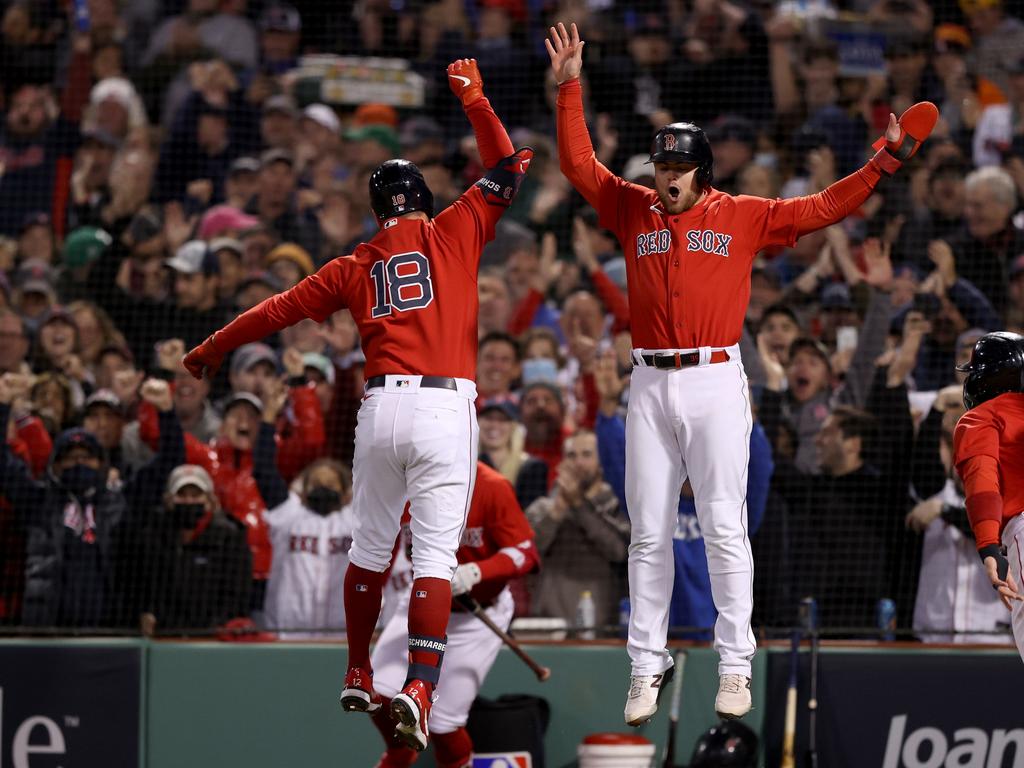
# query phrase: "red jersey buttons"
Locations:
[[675, 294]]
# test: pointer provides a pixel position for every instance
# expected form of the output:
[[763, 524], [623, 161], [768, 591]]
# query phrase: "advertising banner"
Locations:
[[904, 710], [72, 706]]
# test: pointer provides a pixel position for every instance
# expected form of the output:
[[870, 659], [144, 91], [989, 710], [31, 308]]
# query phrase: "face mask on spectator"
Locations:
[[323, 500], [186, 516], [80, 479], [539, 369]]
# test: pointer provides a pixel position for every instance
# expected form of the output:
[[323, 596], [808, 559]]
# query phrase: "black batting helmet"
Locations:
[[684, 143], [397, 187], [730, 744], [996, 367]]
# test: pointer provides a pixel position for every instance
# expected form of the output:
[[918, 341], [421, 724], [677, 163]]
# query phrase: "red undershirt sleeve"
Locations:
[[491, 137]]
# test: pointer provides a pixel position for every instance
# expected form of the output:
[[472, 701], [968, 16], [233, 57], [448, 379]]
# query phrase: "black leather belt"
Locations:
[[432, 382], [672, 360]]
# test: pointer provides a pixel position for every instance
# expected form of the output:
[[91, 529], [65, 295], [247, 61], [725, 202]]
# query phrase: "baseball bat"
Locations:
[[789, 726], [669, 759], [471, 605], [809, 620]]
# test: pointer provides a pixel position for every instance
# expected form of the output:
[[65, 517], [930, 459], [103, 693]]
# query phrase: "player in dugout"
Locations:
[[412, 291], [497, 545], [689, 249]]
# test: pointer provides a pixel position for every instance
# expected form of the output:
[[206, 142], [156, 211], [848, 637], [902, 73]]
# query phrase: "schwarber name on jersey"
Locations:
[[411, 286]]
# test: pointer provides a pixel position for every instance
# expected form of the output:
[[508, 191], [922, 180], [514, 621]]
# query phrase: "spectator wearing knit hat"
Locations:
[[290, 263]]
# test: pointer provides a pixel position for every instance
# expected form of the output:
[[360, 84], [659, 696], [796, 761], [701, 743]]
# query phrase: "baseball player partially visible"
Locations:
[[497, 545], [988, 453], [412, 292], [689, 250]]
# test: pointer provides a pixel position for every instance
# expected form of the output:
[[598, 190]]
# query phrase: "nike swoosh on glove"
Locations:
[[465, 81], [916, 125], [204, 360]]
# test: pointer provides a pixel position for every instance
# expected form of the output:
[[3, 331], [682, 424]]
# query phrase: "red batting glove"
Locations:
[[916, 125], [204, 360], [465, 81]]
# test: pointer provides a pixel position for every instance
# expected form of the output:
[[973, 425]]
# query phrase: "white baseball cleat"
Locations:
[[733, 699], [642, 699]]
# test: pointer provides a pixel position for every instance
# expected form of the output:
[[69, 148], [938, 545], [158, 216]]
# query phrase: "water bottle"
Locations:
[[886, 616], [586, 616], [624, 617]]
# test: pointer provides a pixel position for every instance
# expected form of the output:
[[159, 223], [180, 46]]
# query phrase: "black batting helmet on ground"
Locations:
[[684, 143], [996, 367], [397, 187], [730, 744]]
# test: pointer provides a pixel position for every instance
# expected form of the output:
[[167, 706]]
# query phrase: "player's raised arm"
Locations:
[[901, 141], [316, 297], [575, 150], [491, 138]]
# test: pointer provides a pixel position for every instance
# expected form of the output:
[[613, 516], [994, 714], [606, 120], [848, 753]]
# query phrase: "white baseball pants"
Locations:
[[417, 444], [1013, 534], [472, 649], [689, 423]]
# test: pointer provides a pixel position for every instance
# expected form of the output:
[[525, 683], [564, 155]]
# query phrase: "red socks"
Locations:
[[362, 608], [452, 750], [429, 609]]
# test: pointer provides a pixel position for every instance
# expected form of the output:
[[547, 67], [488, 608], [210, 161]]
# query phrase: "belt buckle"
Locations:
[[678, 359]]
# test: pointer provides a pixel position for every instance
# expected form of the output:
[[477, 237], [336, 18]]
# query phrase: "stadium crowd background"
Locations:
[[164, 166]]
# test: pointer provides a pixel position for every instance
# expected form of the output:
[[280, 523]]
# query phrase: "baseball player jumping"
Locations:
[[497, 545], [412, 292], [689, 250], [988, 453]]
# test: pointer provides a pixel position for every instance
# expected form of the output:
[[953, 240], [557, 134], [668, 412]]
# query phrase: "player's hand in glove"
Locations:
[[904, 137], [466, 577], [998, 569], [465, 81], [501, 183], [204, 360]]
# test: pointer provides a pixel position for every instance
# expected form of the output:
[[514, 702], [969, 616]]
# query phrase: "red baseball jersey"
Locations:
[[411, 290], [496, 532], [689, 273], [992, 432]]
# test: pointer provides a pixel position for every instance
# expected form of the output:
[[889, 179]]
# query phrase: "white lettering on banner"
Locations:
[[928, 747], [22, 745]]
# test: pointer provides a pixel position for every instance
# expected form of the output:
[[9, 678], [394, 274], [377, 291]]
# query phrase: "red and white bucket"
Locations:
[[615, 750]]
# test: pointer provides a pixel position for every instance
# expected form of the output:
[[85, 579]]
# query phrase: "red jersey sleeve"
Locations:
[[976, 458], [507, 527], [576, 153], [782, 222], [466, 226], [491, 137], [318, 296]]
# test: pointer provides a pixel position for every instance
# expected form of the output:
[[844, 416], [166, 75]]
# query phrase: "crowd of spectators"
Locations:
[[162, 168]]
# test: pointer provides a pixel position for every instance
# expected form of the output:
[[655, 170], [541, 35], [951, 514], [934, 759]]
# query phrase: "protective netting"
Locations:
[[168, 164]]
